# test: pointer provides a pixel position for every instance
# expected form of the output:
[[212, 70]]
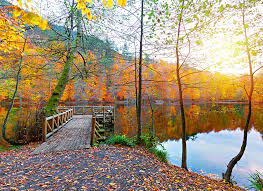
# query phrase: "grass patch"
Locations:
[[2, 149], [121, 140], [256, 180], [148, 142], [14, 147], [162, 155]]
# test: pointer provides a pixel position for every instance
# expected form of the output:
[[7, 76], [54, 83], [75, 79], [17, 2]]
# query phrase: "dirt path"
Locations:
[[103, 168]]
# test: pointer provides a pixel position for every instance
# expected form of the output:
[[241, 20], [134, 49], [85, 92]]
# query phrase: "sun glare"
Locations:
[[224, 56]]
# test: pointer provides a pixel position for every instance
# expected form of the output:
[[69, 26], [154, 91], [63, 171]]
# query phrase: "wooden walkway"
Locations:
[[75, 135]]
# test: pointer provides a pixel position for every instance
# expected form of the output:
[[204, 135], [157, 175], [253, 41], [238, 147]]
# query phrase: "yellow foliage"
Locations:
[[104, 2], [19, 2], [17, 12], [122, 3], [12, 26], [89, 15], [110, 3]]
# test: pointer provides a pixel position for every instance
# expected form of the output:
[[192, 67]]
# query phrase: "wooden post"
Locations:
[[44, 131], [103, 116], [53, 123], [58, 121], [92, 131], [113, 118]]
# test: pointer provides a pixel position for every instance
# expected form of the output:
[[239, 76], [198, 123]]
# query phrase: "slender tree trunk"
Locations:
[[12, 142], [233, 162], [181, 101], [139, 108], [135, 83], [152, 116], [61, 85], [180, 92]]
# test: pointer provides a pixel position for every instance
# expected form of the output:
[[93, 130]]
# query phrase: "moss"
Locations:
[[59, 89], [64, 78]]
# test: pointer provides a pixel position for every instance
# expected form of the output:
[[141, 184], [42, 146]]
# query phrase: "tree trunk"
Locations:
[[12, 142], [180, 91], [61, 85], [233, 162], [139, 108], [135, 81]]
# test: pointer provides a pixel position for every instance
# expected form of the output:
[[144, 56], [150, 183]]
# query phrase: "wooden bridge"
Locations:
[[76, 127]]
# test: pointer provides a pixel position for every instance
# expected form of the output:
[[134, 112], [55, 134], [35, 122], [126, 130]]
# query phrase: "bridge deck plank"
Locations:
[[74, 135]]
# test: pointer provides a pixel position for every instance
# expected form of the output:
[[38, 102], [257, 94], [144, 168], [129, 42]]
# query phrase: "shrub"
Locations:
[[120, 139], [148, 141], [161, 154], [256, 180]]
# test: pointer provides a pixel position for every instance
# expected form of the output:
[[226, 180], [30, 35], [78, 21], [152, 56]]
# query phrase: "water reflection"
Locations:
[[200, 119], [214, 135], [211, 153]]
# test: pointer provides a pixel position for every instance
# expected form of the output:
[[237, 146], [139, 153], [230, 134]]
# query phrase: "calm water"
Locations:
[[214, 136]]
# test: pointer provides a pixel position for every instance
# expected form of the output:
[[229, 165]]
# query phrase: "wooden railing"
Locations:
[[53, 123], [103, 118], [88, 110], [96, 131]]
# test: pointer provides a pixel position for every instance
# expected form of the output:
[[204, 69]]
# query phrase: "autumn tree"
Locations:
[[13, 22], [72, 48], [75, 10], [188, 18], [250, 44]]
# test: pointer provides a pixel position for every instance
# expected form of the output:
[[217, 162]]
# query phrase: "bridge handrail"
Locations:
[[53, 123], [94, 109]]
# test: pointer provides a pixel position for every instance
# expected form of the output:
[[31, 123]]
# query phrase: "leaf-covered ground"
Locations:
[[102, 168]]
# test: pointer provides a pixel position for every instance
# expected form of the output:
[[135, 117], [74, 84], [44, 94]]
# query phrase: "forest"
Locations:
[[184, 77]]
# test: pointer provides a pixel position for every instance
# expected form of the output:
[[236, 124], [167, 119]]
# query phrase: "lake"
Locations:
[[214, 135]]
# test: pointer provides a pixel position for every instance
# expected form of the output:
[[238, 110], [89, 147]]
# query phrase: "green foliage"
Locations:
[[151, 143], [256, 180], [15, 147], [162, 155], [148, 141], [9, 148], [120, 139]]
